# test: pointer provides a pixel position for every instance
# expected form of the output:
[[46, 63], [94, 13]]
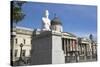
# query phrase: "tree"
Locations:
[[16, 10], [16, 16]]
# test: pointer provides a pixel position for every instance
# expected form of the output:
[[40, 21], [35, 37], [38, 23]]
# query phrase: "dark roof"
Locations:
[[56, 21]]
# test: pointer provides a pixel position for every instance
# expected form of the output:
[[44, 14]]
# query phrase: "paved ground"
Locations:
[[73, 59], [67, 60]]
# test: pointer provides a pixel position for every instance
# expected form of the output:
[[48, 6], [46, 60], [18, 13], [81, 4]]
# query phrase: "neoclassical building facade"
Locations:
[[50, 44], [21, 35], [71, 45]]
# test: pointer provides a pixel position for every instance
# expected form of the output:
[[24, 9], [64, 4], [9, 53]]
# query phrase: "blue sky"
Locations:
[[80, 20]]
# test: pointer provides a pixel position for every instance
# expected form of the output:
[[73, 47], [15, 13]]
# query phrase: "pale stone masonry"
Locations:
[[21, 35], [47, 48], [70, 44]]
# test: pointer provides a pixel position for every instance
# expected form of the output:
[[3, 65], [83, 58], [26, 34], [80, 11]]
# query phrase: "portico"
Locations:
[[70, 47]]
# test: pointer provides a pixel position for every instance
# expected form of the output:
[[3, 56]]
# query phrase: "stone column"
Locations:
[[85, 52], [70, 45], [65, 47], [74, 45], [68, 49]]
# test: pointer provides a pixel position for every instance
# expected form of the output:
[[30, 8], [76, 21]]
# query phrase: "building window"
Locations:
[[23, 52], [16, 53], [30, 52], [82, 50], [63, 44], [31, 41], [69, 47], [16, 40], [24, 41]]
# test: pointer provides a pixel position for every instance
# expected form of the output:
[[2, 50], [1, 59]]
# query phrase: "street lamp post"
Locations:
[[21, 46], [20, 61]]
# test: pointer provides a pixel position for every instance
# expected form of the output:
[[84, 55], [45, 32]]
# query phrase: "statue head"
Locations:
[[46, 13]]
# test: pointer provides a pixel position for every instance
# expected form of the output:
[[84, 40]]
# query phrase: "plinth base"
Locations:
[[47, 48]]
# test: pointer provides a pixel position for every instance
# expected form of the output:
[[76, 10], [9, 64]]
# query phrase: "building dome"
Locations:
[[56, 21], [56, 25]]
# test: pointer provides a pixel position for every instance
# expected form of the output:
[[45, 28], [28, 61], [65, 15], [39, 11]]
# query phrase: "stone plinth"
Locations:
[[47, 48]]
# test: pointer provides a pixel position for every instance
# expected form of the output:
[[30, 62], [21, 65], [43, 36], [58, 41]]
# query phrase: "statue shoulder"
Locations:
[[43, 18]]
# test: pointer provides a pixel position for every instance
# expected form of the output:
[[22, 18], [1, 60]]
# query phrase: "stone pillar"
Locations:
[[70, 45], [68, 49], [74, 45], [84, 52], [65, 47], [47, 48], [90, 50]]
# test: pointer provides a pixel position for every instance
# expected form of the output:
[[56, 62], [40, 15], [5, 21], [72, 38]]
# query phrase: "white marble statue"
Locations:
[[46, 21]]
